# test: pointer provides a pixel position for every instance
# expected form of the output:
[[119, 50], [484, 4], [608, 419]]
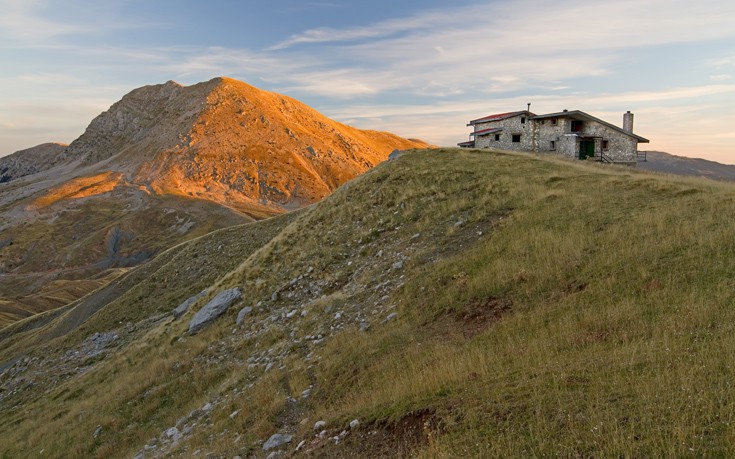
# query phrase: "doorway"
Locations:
[[586, 149]]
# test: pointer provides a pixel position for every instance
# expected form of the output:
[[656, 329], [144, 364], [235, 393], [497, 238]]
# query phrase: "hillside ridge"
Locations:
[[447, 303]]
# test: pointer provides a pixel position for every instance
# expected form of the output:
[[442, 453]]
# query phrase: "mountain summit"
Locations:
[[229, 142], [164, 164]]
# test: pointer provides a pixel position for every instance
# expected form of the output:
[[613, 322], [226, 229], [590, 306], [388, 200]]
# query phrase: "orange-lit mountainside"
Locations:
[[166, 163]]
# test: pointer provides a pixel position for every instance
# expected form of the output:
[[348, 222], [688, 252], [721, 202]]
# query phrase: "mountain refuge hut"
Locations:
[[574, 134]]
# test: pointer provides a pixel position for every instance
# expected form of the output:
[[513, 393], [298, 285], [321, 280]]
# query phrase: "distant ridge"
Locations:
[[30, 161], [658, 161]]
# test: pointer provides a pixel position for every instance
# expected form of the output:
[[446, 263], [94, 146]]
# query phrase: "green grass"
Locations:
[[592, 317]]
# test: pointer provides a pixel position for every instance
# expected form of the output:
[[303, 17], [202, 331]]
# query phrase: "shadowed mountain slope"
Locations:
[[454, 303], [30, 161]]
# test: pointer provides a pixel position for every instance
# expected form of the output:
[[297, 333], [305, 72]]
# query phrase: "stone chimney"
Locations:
[[628, 121]]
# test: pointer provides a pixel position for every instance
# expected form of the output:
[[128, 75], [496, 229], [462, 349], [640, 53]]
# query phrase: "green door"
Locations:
[[586, 149]]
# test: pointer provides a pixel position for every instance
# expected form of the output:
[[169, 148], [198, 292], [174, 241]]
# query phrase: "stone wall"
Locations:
[[510, 127], [620, 147]]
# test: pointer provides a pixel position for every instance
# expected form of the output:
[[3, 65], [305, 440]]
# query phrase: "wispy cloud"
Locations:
[[21, 20], [33, 24], [502, 46], [378, 30]]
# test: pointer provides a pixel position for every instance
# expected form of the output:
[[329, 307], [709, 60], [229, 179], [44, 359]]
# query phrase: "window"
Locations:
[[497, 137], [552, 145], [605, 145], [523, 120], [554, 121], [516, 138], [577, 126]]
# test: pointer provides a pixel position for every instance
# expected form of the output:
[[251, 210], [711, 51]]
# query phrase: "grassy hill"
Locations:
[[456, 303]]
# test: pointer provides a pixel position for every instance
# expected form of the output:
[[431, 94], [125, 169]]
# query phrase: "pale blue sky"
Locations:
[[416, 68]]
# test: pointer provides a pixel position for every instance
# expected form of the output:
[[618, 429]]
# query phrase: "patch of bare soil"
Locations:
[[473, 318], [398, 439], [480, 314]]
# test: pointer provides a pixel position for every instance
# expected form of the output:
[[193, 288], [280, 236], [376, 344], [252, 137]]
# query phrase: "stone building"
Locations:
[[575, 134]]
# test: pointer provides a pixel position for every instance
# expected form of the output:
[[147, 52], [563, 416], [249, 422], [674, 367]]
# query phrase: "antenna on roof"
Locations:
[[529, 106]]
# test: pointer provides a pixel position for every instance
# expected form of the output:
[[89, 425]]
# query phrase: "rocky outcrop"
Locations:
[[181, 309], [277, 440], [31, 161], [215, 308]]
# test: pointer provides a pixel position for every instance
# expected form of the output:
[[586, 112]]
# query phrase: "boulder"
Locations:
[[276, 440], [395, 154], [183, 307], [215, 308]]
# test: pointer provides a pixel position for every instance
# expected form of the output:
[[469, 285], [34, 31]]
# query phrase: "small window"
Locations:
[[552, 145], [554, 121], [605, 145], [577, 126], [523, 120], [516, 138], [497, 137]]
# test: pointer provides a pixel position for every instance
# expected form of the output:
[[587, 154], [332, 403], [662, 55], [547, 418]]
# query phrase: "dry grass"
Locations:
[[616, 290]]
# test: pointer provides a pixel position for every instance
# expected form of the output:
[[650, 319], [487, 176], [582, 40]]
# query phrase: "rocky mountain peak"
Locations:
[[150, 119]]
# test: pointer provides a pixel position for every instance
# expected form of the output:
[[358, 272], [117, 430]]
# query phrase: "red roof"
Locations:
[[499, 116]]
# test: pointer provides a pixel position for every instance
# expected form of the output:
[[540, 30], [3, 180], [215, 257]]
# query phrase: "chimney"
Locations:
[[529, 107], [628, 121]]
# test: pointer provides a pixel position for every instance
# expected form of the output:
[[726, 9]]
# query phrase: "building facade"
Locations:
[[574, 134]]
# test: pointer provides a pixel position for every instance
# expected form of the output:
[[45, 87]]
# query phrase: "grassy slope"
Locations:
[[50, 265], [576, 310]]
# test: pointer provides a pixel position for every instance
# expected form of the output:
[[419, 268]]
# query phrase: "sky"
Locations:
[[420, 69]]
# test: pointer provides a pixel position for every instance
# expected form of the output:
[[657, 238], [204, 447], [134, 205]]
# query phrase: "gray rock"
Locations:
[[215, 308], [97, 432], [391, 316], [277, 440], [207, 408], [173, 433], [301, 445], [320, 425], [398, 265], [354, 424], [241, 315], [395, 154], [183, 307]]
